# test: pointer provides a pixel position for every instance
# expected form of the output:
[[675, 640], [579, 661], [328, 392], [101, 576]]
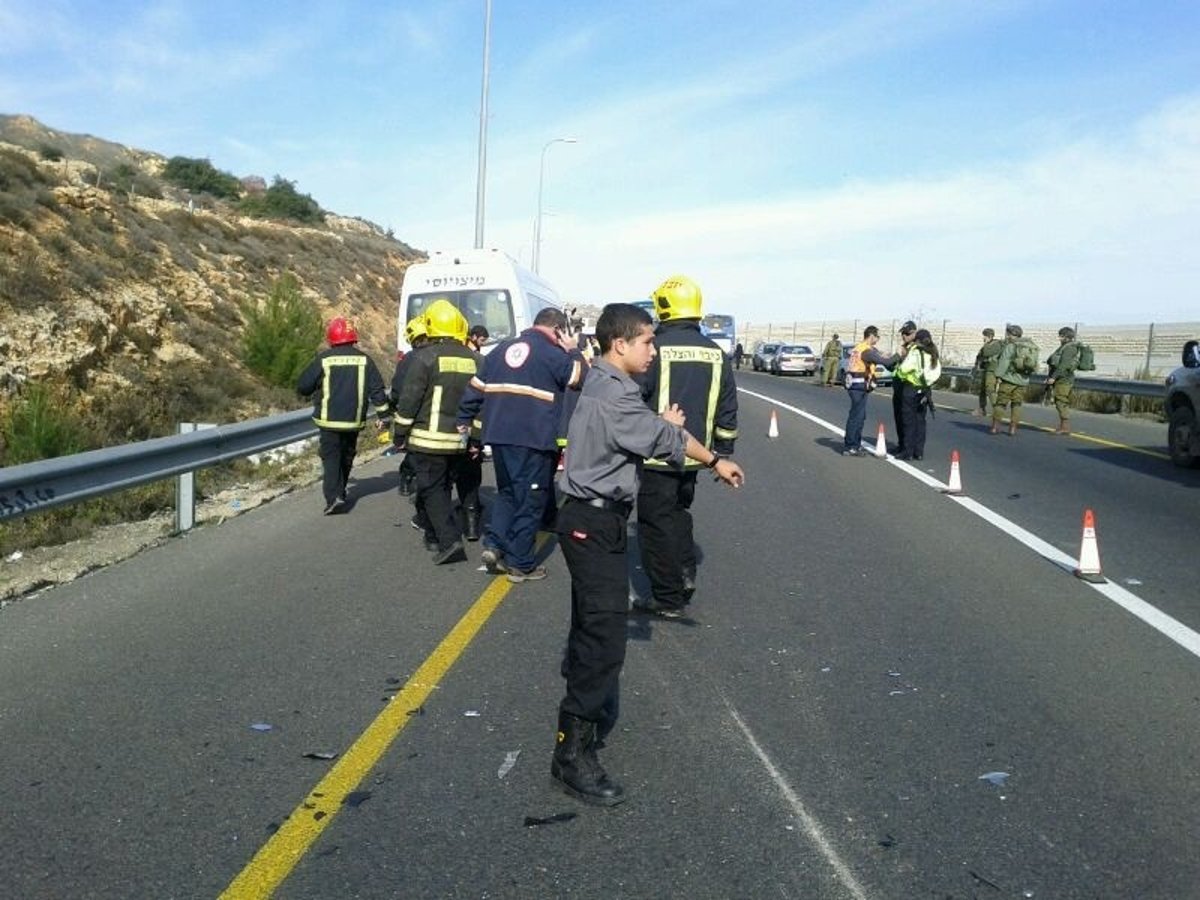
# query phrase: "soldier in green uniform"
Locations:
[[1012, 377], [985, 370], [1063, 362], [829, 360]]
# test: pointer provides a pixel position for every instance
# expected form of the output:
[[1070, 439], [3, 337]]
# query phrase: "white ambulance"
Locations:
[[489, 287]]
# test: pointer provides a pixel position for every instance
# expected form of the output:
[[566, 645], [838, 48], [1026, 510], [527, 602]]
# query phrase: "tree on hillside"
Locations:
[[282, 201], [282, 334], [201, 176]]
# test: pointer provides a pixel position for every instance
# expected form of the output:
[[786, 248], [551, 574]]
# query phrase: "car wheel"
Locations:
[[1180, 431]]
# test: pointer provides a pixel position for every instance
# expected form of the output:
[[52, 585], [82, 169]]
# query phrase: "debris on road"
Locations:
[[262, 726], [510, 760], [996, 778], [531, 821]]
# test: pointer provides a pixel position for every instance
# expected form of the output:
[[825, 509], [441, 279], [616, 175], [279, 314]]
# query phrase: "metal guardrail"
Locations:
[[1155, 389], [42, 485]]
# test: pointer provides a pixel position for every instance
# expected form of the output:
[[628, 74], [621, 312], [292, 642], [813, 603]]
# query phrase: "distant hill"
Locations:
[[126, 291]]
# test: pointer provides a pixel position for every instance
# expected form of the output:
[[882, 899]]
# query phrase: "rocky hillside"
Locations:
[[127, 293]]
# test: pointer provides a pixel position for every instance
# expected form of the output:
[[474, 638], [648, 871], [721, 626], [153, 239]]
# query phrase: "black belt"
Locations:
[[624, 507]]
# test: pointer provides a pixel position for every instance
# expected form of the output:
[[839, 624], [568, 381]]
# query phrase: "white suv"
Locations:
[[1182, 406]]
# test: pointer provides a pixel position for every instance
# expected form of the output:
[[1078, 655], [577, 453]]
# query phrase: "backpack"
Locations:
[[1087, 359], [1025, 359]]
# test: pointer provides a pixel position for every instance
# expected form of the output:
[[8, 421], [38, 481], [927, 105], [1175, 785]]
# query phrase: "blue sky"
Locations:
[[1034, 160]]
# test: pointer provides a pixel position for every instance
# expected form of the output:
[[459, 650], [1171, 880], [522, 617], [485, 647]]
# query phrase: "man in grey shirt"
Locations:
[[611, 432]]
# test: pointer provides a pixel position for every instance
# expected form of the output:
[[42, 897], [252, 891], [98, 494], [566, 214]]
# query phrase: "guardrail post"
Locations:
[[185, 486]]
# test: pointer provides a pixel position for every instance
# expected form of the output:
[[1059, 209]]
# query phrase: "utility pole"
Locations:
[[481, 178]]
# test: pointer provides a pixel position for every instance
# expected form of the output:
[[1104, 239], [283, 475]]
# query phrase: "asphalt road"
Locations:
[[863, 649]]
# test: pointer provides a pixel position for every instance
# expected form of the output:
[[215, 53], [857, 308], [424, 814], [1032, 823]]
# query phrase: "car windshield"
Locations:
[[769, 348], [797, 348]]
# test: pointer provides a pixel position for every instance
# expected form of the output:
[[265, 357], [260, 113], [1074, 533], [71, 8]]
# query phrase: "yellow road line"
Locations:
[[276, 859]]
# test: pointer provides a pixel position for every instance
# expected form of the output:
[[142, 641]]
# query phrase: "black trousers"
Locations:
[[898, 391], [665, 531], [436, 473], [337, 449], [912, 414], [593, 543]]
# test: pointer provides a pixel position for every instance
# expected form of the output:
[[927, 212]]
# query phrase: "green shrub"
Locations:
[[282, 201], [281, 334], [201, 176], [40, 425], [50, 153]]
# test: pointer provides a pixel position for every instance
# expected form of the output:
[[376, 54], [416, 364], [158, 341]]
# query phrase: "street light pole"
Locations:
[[481, 178], [537, 231]]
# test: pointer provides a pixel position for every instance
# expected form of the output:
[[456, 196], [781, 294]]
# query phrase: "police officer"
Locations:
[[985, 368], [519, 390], [341, 380], [829, 360], [692, 372], [1063, 363], [611, 432], [425, 410]]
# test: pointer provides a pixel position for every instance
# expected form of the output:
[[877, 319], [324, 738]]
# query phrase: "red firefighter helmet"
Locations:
[[340, 331]]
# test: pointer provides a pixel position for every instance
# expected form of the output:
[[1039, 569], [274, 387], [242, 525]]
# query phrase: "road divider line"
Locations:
[[1154, 617], [275, 859], [808, 822]]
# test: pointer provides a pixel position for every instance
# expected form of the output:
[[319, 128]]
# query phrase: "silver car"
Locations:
[[1182, 406], [763, 351], [790, 359]]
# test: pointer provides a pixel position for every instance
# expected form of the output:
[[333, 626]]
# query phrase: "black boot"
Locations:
[[689, 582], [575, 768], [471, 529]]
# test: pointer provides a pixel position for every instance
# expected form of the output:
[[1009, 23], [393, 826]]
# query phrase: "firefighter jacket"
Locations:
[[519, 391], [433, 383], [341, 380], [695, 373]]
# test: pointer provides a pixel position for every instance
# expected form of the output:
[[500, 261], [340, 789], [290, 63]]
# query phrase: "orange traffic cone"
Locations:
[[881, 444], [1089, 552], [955, 485], [773, 430]]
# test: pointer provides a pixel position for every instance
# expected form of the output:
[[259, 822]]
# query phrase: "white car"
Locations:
[[793, 359]]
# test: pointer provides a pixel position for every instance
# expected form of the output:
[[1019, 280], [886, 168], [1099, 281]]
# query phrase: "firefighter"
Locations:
[[429, 398], [693, 372], [341, 381], [414, 332]]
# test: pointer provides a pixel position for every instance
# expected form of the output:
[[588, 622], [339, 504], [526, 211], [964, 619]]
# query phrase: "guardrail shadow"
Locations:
[[1162, 469]]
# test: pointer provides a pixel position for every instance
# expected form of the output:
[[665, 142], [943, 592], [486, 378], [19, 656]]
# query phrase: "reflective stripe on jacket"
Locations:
[[341, 381], [433, 386], [695, 373]]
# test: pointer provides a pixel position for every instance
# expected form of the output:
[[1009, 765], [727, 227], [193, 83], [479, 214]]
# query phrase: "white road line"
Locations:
[[1127, 600], [811, 826]]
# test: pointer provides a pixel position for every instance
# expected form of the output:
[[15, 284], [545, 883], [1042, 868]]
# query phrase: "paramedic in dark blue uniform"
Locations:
[[693, 372], [611, 433], [516, 399]]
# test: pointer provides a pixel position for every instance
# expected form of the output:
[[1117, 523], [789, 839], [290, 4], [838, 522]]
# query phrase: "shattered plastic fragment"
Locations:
[[320, 754], [262, 726], [531, 821], [1133, 581], [510, 760], [472, 714], [419, 711], [996, 778]]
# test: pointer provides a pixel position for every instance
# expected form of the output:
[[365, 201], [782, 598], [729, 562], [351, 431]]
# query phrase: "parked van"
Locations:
[[489, 287]]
